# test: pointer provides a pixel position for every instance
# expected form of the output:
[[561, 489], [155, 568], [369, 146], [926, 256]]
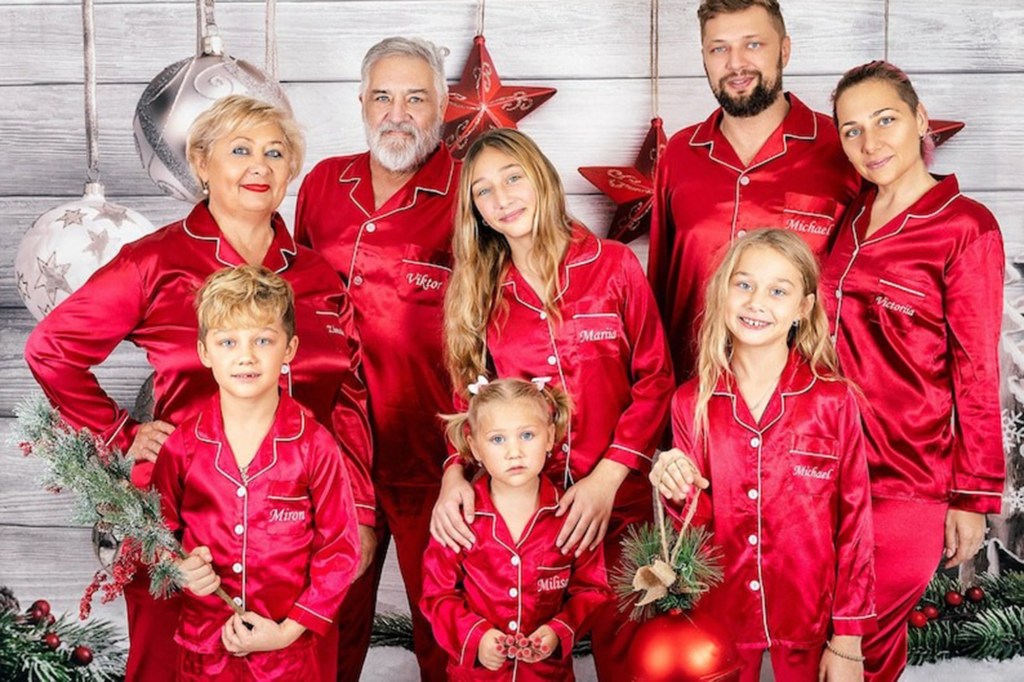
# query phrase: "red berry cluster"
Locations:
[[920, 617], [38, 613], [522, 647]]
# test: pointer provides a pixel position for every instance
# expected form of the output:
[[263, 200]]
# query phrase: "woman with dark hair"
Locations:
[[244, 153], [913, 287]]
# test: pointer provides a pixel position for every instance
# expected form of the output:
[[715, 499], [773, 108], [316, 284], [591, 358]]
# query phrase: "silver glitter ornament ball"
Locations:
[[70, 242], [176, 97]]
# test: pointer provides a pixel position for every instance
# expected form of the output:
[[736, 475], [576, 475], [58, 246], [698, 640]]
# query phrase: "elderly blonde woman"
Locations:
[[244, 153]]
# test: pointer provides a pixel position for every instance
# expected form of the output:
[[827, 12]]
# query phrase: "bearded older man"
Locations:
[[383, 219]]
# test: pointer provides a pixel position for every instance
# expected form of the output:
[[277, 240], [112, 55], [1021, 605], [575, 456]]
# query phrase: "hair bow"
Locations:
[[540, 382], [474, 388]]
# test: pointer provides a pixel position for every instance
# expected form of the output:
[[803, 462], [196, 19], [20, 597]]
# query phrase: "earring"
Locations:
[[796, 323], [549, 453], [206, 187], [285, 368]]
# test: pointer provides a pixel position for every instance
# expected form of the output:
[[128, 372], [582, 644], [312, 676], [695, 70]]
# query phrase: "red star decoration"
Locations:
[[941, 131], [631, 187], [480, 102]]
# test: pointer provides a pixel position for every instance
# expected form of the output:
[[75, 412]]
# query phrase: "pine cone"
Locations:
[[7, 600]]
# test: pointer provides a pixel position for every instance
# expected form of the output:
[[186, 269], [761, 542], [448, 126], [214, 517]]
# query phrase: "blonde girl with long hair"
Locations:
[[534, 294], [772, 434]]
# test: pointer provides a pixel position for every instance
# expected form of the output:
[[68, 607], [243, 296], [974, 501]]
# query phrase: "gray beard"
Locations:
[[402, 156]]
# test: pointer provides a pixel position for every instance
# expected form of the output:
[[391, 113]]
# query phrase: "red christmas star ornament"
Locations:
[[941, 131], [631, 187], [480, 102]]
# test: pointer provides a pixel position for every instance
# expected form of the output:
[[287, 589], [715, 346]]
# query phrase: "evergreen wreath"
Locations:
[[952, 620]]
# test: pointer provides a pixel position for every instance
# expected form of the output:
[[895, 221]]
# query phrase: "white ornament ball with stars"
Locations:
[[70, 242]]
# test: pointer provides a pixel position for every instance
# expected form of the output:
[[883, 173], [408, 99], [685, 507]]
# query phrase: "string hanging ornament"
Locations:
[[181, 92], [68, 243], [479, 102], [632, 187]]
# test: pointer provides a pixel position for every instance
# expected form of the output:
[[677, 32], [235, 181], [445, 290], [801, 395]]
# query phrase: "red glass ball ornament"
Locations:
[[918, 619], [82, 655], [42, 605], [36, 615], [931, 611], [975, 594], [52, 640], [681, 647], [954, 598]]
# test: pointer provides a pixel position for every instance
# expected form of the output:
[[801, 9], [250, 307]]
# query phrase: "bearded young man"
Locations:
[[383, 219], [763, 159]]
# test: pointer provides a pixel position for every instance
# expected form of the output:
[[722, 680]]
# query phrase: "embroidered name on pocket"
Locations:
[[804, 471], [808, 223], [906, 296], [285, 515], [423, 281]]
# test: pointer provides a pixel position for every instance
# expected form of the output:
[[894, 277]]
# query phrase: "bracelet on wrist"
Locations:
[[842, 654]]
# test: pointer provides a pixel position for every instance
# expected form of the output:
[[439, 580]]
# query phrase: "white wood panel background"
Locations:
[[967, 60]]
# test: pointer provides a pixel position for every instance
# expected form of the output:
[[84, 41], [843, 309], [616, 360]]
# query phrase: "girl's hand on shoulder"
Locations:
[[835, 668], [587, 507], [487, 652], [676, 476], [453, 511], [965, 531], [265, 635], [149, 438], [543, 643], [197, 568]]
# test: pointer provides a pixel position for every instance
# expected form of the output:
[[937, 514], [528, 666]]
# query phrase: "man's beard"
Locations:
[[763, 95], [401, 154]]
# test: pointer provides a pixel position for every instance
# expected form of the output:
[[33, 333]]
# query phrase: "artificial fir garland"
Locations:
[[38, 647], [981, 621]]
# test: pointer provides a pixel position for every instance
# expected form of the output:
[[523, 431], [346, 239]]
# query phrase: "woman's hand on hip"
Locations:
[[965, 532], [149, 439]]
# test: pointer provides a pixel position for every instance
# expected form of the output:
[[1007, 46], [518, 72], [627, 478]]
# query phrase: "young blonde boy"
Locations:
[[257, 492]]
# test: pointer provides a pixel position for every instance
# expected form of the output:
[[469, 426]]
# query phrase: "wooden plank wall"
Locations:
[[966, 58]]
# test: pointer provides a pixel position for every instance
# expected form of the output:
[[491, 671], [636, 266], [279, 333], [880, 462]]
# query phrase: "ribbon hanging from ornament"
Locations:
[[479, 102], [68, 243], [655, 579], [632, 187], [181, 92]]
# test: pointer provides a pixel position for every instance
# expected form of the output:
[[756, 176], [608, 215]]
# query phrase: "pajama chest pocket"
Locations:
[[812, 217], [813, 465], [424, 275], [287, 509], [552, 582], [599, 334], [907, 311]]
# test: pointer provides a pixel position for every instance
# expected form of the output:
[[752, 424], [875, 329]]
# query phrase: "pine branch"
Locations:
[[101, 479], [996, 633], [936, 642]]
